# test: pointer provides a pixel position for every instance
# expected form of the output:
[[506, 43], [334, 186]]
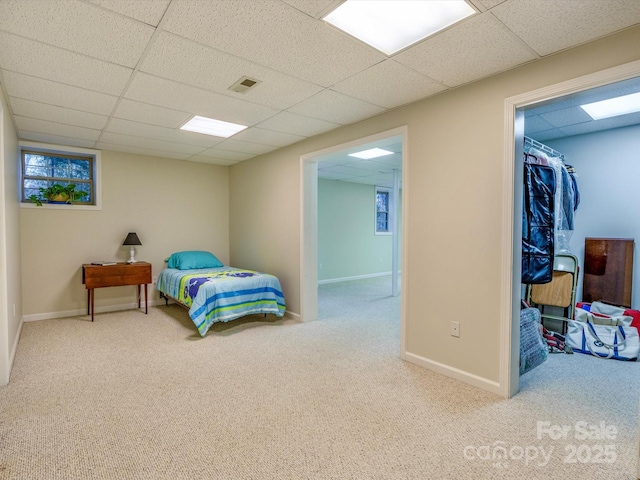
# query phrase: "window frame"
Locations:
[[59, 150], [390, 203]]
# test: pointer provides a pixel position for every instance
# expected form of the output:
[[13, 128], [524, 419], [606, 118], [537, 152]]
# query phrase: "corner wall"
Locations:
[[347, 244], [453, 210], [10, 268]]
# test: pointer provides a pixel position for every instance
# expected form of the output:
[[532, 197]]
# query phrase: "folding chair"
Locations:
[[560, 292]]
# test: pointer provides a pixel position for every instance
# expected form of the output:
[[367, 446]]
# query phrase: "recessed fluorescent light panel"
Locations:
[[613, 106], [371, 153], [209, 126], [391, 25]]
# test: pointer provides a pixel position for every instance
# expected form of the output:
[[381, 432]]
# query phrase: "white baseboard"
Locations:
[[111, 308], [14, 348], [6, 375], [356, 277], [83, 311], [457, 374], [292, 316]]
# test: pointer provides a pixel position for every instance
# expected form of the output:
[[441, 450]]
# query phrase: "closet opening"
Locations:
[[574, 225]]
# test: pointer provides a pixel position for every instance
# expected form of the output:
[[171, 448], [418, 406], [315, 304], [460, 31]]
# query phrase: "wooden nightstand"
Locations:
[[120, 274]]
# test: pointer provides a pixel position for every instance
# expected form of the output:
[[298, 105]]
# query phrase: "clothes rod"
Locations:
[[541, 146]]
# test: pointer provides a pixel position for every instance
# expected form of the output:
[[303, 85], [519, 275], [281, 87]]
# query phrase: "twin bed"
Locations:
[[216, 293]]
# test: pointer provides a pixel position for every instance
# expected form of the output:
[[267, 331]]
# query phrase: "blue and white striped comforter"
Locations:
[[222, 294]]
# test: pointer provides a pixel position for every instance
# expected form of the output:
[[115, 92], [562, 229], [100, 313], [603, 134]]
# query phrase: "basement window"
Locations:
[[383, 211], [43, 167]]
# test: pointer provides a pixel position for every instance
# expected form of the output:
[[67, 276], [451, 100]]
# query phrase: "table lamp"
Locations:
[[131, 240]]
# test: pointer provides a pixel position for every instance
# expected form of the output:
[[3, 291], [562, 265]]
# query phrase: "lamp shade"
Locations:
[[132, 239]]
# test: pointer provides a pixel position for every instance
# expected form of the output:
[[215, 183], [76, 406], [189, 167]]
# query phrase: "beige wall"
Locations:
[[10, 270], [347, 243], [454, 190], [264, 237], [172, 205]]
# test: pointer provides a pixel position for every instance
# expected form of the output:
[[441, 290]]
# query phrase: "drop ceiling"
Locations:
[[377, 171], [563, 117], [124, 75]]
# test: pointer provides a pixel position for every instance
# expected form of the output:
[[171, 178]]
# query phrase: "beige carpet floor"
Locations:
[[134, 396]]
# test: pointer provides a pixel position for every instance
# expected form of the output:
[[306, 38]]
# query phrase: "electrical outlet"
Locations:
[[154, 279], [455, 329]]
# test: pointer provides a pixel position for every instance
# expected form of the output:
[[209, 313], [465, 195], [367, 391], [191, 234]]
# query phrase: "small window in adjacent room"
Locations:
[[383, 211], [44, 167]]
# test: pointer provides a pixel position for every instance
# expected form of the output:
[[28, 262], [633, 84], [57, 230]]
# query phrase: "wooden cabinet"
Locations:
[[608, 270], [120, 274]]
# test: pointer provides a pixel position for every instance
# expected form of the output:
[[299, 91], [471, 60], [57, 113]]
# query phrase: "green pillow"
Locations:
[[193, 259]]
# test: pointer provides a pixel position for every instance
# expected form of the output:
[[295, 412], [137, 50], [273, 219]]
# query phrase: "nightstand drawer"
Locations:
[[97, 276]]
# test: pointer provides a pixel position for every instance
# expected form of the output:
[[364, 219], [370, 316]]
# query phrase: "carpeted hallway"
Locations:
[[134, 396]]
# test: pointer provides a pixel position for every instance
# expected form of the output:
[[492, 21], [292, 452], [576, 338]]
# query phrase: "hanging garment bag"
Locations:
[[538, 223]]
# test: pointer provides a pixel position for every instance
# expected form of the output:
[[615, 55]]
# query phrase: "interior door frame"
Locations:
[[512, 209], [309, 225], [5, 362]]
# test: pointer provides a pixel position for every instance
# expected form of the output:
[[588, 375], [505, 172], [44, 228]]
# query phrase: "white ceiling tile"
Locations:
[[54, 93], [461, 54], [53, 113], [147, 11], [370, 166], [380, 180], [149, 143], [390, 161], [267, 137], [55, 139], [53, 128], [329, 175], [572, 120], [548, 26], [604, 124], [372, 85], [127, 127], [491, 3], [549, 134], [34, 58], [336, 158], [290, 41], [297, 124], [166, 93], [566, 116], [150, 114], [79, 27], [341, 170], [535, 123], [336, 107], [227, 155], [245, 147], [314, 8], [623, 87], [173, 57], [118, 147]]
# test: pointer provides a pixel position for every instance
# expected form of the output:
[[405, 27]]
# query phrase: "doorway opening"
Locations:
[[539, 114], [343, 177]]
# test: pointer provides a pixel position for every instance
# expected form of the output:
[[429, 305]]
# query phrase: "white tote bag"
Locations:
[[605, 341], [600, 318]]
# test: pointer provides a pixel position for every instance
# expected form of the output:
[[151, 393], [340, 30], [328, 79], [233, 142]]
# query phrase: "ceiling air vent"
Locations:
[[244, 84]]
